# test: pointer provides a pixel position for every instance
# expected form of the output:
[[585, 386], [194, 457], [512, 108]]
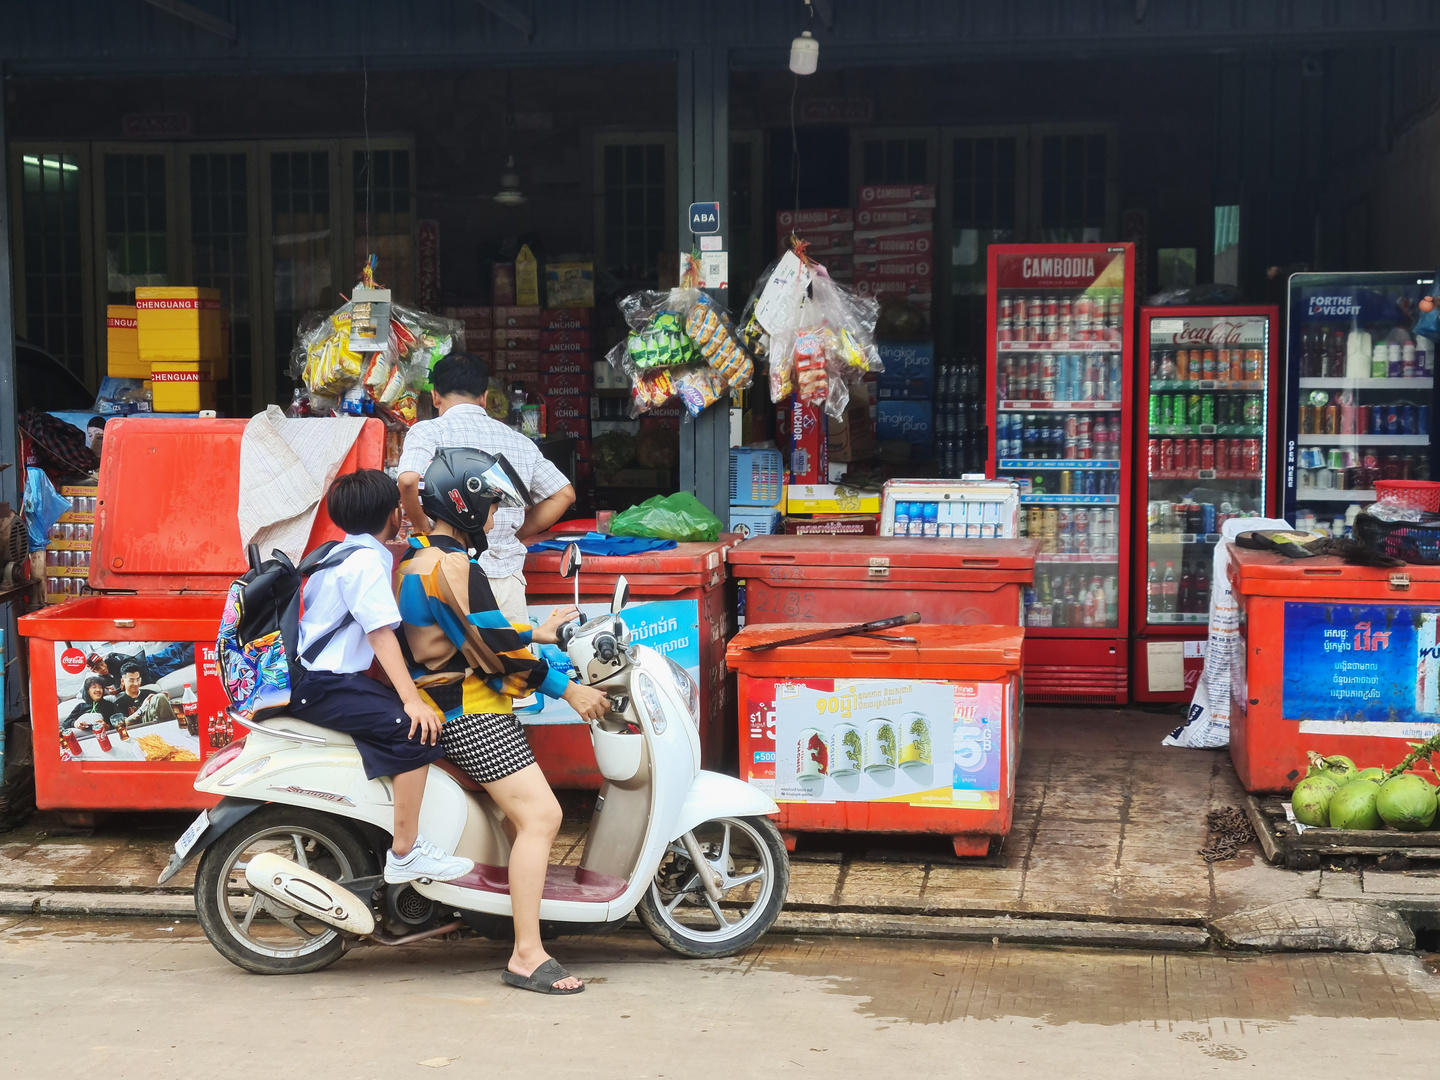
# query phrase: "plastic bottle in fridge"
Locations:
[[1169, 588], [1153, 596]]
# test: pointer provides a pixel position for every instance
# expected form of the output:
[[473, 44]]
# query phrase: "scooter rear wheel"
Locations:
[[750, 856], [259, 934]]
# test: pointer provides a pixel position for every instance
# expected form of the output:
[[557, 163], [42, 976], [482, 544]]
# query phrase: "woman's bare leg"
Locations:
[[526, 799]]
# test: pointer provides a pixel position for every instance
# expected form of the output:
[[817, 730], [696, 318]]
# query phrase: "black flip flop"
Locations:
[[542, 980]]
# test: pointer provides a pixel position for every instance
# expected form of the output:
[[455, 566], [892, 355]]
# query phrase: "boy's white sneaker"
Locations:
[[424, 862]]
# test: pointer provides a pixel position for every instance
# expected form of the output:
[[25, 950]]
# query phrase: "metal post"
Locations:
[[10, 479], [703, 171]]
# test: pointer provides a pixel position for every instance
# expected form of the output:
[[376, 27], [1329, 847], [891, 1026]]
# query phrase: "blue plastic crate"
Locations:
[[757, 476], [759, 521]]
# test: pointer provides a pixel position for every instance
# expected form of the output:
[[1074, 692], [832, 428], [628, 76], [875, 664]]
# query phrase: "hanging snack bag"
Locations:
[[700, 388]]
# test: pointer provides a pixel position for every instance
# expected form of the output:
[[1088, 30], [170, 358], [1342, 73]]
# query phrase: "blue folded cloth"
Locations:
[[603, 544]]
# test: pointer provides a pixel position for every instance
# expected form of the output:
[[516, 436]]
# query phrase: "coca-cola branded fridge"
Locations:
[[1060, 329], [1206, 441], [1360, 378]]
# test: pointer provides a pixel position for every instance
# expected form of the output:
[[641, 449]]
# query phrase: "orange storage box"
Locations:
[[850, 579], [855, 734], [166, 528], [1338, 659], [677, 605]]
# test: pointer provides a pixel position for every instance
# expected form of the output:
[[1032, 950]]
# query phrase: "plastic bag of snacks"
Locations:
[[700, 388]]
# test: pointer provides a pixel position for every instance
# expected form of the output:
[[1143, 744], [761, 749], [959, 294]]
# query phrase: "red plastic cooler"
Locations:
[[677, 605], [857, 579], [1338, 659], [166, 530], [857, 735]]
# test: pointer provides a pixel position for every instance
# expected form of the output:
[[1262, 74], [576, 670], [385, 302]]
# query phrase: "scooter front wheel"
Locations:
[[253, 931], [754, 868]]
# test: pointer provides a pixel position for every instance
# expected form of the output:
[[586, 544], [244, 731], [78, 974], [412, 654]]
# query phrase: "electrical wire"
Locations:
[[367, 168]]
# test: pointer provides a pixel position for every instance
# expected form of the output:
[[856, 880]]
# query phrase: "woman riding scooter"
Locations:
[[470, 663]]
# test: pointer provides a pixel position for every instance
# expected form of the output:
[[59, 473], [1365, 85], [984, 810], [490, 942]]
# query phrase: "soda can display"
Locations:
[[1208, 364], [1007, 307], [1035, 516], [1182, 364], [1065, 482], [1254, 409], [1422, 419], [1050, 328], [1222, 455], [1254, 364], [1019, 309], [914, 739], [1192, 453], [1409, 420], [1192, 410], [1089, 482], [1050, 305], [1207, 409], [1081, 541], [812, 756], [1065, 530], [1004, 329], [1252, 456], [1167, 455], [1154, 456], [1051, 522], [1207, 453], [1207, 518], [845, 749], [879, 745], [1047, 388]]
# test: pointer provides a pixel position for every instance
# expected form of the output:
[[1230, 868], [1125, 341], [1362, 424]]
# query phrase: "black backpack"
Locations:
[[260, 628]]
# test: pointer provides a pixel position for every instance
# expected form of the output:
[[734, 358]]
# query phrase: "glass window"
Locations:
[[384, 217], [301, 233], [896, 161], [220, 246], [50, 232], [983, 212], [634, 209], [136, 244], [1073, 170]]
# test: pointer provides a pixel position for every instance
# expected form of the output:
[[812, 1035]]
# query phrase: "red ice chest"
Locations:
[[691, 574], [857, 579], [981, 663], [1315, 676], [165, 528]]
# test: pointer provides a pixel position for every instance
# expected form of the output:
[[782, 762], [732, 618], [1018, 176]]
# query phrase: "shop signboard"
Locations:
[[127, 701], [671, 627], [1362, 669], [704, 218], [912, 741]]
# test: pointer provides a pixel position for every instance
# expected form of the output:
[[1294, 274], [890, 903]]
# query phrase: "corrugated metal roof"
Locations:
[[136, 35]]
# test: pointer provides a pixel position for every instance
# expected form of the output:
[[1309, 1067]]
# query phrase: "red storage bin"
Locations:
[[1337, 659], [857, 579], [802, 705], [677, 605], [166, 528]]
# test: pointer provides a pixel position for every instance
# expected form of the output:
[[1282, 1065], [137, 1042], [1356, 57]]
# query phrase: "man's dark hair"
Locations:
[[361, 502], [128, 668], [92, 681], [460, 373]]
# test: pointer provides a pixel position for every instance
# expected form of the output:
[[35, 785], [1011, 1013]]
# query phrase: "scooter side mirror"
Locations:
[[570, 561], [622, 596]]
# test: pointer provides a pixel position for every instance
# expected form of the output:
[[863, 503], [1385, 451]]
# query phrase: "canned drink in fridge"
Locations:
[[1207, 453], [914, 739], [1209, 364], [1254, 409], [1154, 456], [1192, 453], [1408, 420], [1036, 323], [1182, 363], [1051, 305], [1035, 516], [1152, 515], [1019, 309], [1222, 455], [1207, 409], [1082, 531], [1065, 481], [1050, 523], [1005, 329], [1065, 529], [1254, 365], [1422, 419], [879, 745], [1167, 455], [1207, 518], [812, 756], [845, 749], [1193, 409], [1252, 456], [1050, 328], [1007, 307]]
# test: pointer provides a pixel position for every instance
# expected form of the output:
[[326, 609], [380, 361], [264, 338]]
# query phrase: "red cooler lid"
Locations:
[[938, 645], [852, 551], [687, 564], [169, 492]]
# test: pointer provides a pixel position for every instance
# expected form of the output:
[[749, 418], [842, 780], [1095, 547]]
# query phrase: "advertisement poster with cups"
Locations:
[[877, 740]]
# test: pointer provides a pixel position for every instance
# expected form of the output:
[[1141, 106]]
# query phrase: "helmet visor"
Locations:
[[499, 482]]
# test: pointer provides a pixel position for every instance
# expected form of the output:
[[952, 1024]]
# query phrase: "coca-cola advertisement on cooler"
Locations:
[[1206, 439], [1060, 328]]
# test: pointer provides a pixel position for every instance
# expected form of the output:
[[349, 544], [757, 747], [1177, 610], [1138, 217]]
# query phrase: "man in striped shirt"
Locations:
[[459, 382]]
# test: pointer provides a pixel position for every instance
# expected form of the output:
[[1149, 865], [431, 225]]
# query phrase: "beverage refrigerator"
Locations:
[[1206, 443], [1060, 352], [1359, 392]]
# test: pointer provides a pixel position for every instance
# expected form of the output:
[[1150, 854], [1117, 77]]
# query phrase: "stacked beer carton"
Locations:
[[895, 242], [567, 375], [67, 550], [179, 337], [830, 234]]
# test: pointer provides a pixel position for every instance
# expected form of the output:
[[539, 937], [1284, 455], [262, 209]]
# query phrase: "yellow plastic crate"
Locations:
[[178, 323], [122, 344], [176, 390]]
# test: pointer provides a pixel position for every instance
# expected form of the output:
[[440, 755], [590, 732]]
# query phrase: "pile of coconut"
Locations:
[[1336, 793]]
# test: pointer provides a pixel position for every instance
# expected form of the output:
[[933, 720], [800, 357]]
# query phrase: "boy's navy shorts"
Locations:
[[369, 712]]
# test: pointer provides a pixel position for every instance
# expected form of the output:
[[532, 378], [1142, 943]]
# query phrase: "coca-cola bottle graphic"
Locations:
[[190, 708]]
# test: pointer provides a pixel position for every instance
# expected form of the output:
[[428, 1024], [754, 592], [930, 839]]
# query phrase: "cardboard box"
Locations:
[[570, 285], [524, 357], [527, 278], [909, 370], [506, 316], [918, 293], [852, 437], [829, 499], [568, 364], [566, 388], [510, 338], [897, 243], [809, 460], [905, 421], [502, 284], [919, 268], [565, 318], [833, 525], [175, 391], [564, 340], [838, 217], [891, 217], [917, 196], [576, 427], [821, 243], [180, 323], [122, 344]]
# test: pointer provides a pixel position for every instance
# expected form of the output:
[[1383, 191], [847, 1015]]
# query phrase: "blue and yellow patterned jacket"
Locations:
[[448, 650]]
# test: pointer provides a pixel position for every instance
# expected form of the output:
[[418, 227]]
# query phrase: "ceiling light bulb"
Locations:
[[804, 54], [510, 193]]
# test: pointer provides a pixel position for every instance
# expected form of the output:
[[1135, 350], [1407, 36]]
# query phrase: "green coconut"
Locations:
[[1337, 766], [1406, 802], [1373, 773], [1311, 799], [1353, 806]]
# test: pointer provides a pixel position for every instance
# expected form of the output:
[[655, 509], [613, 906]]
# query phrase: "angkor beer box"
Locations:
[[859, 735], [909, 370]]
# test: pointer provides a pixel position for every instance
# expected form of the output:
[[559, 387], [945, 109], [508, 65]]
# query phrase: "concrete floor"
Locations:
[[136, 999], [1107, 826]]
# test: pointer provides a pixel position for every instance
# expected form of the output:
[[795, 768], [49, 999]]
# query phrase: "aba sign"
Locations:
[[704, 218]]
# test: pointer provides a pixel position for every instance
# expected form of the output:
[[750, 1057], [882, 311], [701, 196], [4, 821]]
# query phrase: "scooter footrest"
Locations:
[[561, 883]]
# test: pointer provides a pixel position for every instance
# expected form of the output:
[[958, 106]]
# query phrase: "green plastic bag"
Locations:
[[680, 517]]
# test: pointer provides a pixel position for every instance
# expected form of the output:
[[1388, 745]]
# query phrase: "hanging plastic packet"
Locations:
[[650, 390], [700, 388]]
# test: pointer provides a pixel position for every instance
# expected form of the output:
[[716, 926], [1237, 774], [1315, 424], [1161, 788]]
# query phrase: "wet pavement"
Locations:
[[118, 998], [1107, 827]]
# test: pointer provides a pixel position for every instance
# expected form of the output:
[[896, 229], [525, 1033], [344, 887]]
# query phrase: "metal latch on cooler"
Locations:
[[880, 566], [1399, 580]]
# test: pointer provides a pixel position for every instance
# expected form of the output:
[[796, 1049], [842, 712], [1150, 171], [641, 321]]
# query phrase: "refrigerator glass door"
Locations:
[[1060, 390], [1205, 445]]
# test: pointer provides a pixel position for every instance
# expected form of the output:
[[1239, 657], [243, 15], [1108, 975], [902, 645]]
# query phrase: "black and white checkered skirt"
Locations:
[[487, 746]]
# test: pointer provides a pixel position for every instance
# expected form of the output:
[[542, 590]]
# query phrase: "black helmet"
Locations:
[[462, 483]]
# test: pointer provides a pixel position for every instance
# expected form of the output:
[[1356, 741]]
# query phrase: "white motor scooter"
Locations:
[[289, 878]]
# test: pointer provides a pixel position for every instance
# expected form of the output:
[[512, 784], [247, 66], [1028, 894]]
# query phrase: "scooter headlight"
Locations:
[[650, 702], [685, 686]]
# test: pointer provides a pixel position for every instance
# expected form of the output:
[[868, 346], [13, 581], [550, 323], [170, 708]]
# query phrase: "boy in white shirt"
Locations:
[[350, 615]]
